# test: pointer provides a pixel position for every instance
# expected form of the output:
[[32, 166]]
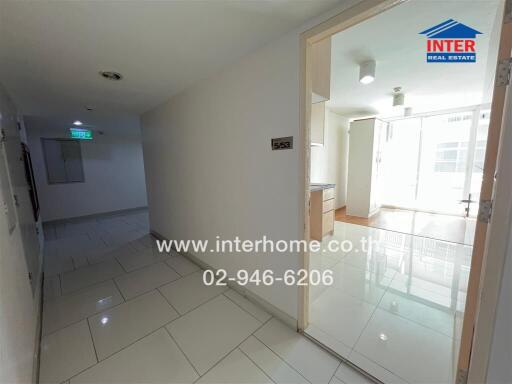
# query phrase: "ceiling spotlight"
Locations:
[[110, 75], [77, 122], [367, 72]]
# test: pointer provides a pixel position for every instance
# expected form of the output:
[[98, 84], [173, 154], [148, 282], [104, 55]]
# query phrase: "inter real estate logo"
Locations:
[[451, 42]]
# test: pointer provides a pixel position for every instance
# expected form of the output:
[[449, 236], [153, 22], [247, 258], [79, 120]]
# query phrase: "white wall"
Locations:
[[19, 309], [500, 369], [210, 169], [113, 170], [329, 163]]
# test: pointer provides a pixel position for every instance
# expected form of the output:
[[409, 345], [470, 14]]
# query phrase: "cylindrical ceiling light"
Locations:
[[398, 97], [367, 72]]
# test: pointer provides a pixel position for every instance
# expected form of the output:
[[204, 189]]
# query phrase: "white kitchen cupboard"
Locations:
[[366, 139], [317, 123], [321, 70]]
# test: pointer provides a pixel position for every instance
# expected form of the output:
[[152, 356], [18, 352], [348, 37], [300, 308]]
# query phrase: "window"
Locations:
[[451, 157], [63, 158]]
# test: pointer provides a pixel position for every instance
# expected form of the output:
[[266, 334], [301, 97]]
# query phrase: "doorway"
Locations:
[[406, 289]]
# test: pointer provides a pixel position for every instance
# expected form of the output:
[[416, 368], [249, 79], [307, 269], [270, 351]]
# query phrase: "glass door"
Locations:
[[399, 166], [443, 162], [434, 163]]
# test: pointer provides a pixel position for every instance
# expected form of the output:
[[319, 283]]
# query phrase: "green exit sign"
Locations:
[[80, 134]]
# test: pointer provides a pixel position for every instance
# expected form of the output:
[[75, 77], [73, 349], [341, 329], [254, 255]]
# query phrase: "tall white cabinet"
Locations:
[[366, 140]]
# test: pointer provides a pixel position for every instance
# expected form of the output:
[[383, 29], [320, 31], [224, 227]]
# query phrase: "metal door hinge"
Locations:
[[485, 211], [503, 72], [462, 376], [16, 201], [2, 136]]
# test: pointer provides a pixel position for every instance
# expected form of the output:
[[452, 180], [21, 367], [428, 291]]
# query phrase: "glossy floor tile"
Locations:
[[90, 275], [153, 359], [407, 349], [145, 279], [124, 330], [65, 353], [124, 324], [347, 315], [247, 305], [399, 293], [273, 366], [209, 332], [67, 309], [139, 259], [197, 292], [180, 264], [235, 368], [312, 362]]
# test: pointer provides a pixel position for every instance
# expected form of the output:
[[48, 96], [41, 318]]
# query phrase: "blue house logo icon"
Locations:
[[451, 42]]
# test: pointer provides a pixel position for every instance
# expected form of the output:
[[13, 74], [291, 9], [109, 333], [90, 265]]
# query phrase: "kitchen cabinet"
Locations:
[[321, 213], [366, 138], [317, 123], [321, 70]]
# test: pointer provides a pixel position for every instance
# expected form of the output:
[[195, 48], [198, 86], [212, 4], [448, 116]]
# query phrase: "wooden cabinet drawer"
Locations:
[[327, 222], [328, 194], [328, 205]]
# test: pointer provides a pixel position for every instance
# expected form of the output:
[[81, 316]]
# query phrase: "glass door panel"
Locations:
[[443, 162], [399, 166]]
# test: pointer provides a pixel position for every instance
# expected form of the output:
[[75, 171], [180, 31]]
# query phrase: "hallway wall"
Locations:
[[112, 163], [210, 169], [19, 253]]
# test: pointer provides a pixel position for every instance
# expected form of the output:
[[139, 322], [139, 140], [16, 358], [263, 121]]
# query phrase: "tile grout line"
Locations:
[[257, 366], [336, 370], [112, 355], [284, 359], [280, 358], [183, 352], [239, 306], [119, 290], [92, 341], [168, 302], [237, 346]]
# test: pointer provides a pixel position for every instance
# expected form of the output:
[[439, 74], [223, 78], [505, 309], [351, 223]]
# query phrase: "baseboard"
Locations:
[[96, 215], [244, 291]]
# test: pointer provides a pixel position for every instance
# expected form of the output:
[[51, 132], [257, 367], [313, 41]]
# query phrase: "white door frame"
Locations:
[[484, 277]]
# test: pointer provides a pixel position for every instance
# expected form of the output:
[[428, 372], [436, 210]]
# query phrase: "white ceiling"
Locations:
[[392, 39], [51, 51]]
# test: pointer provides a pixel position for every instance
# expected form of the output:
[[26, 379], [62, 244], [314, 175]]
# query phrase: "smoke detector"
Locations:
[[110, 75]]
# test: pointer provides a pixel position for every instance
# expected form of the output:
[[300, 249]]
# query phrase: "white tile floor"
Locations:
[[396, 310], [117, 312]]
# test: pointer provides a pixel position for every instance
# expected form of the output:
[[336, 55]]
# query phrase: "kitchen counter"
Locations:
[[319, 187]]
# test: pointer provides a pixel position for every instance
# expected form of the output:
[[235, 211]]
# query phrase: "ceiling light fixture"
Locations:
[[110, 75], [77, 122], [398, 97], [367, 72]]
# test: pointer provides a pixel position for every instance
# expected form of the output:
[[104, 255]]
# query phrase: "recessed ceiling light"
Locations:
[[77, 122], [367, 72], [110, 75]]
